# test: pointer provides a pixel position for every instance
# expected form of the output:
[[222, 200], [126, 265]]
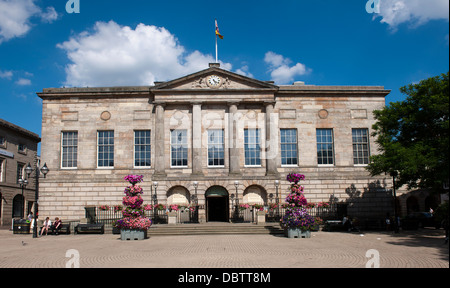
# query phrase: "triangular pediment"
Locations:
[[213, 78]]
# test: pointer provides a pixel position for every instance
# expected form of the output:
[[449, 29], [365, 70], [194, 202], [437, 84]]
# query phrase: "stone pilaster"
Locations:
[[159, 141], [197, 139], [233, 141], [271, 123]]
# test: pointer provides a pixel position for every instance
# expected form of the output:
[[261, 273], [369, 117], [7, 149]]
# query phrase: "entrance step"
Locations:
[[214, 229]]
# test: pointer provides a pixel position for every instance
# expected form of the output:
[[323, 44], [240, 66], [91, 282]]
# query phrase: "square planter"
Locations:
[[296, 233], [133, 234]]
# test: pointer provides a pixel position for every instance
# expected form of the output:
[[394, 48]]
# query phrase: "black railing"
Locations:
[[110, 215]]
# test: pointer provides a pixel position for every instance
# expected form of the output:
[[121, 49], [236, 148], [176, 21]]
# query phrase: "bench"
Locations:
[[65, 229], [333, 225], [89, 229]]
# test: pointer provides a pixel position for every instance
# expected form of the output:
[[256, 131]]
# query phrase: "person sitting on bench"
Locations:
[[56, 226], [46, 226]]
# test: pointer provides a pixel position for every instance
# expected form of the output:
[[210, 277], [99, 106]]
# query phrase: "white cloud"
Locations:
[[244, 70], [414, 12], [6, 74], [280, 70], [23, 82], [15, 17], [115, 55]]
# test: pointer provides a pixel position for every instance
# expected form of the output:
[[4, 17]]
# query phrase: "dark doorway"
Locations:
[[217, 206]]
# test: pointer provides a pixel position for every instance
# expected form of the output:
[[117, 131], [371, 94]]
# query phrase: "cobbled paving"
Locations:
[[414, 249]]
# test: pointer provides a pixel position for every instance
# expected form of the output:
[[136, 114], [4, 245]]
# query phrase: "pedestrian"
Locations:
[[47, 224], [388, 222]]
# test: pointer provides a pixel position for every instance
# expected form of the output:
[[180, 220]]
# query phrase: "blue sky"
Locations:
[[136, 42]]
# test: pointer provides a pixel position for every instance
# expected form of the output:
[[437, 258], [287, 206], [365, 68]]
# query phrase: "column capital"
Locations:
[[159, 103]]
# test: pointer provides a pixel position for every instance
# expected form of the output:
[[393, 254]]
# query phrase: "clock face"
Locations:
[[214, 81]]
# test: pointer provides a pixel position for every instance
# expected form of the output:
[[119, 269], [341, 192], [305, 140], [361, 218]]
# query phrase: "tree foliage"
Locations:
[[413, 135]]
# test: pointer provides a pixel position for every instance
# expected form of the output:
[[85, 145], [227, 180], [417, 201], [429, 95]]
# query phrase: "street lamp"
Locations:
[[277, 183], [236, 184], [394, 174], [155, 184], [195, 183], [37, 172], [22, 183]]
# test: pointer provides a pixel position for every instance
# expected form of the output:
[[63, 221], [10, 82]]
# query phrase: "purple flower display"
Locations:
[[296, 215]]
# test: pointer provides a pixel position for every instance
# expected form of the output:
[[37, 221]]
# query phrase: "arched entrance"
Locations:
[[217, 204], [255, 194]]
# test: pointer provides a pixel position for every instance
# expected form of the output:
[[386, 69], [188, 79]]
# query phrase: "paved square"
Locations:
[[409, 249]]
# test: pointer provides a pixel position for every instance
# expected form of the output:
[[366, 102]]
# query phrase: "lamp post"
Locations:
[[236, 184], [395, 174], [277, 183], [195, 183], [195, 200], [22, 183], [155, 184], [37, 172]]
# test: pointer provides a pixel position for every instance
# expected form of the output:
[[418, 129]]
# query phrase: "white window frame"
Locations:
[[361, 143], [134, 149], [98, 152], [216, 144], [258, 134], [62, 150], [182, 144], [326, 143], [289, 143]]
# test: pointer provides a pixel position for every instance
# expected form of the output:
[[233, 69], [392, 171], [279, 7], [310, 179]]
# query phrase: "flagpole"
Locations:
[[216, 47]]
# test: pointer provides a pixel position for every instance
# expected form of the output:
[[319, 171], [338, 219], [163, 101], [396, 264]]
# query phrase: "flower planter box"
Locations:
[[296, 233], [133, 234]]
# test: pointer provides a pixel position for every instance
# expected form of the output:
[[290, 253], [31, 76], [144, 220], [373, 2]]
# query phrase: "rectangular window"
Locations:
[[19, 171], [22, 148], [360, 139], [252, 147], [325, 149], [69, 149], [1, 170], [142, 148], [178, 148], [288, 146], [105, 150], [216, 154]]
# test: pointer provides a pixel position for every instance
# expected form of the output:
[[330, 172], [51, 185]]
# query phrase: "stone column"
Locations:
[[271, 140], [233, 140], [159, 140], [197, 139]]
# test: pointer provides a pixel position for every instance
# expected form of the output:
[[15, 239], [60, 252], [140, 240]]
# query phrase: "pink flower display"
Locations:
[[296, 216], [133, 215]]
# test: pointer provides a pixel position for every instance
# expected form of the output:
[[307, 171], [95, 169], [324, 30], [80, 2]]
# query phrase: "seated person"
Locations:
[[56, 226], [47, 224]]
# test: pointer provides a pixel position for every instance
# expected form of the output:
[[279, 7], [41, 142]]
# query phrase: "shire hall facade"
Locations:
[[210, 137]]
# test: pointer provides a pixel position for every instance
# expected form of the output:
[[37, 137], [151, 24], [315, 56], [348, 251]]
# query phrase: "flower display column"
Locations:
[[133, 225], [296, 221]]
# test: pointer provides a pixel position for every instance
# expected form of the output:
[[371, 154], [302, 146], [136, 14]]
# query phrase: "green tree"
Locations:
[[413, 136]]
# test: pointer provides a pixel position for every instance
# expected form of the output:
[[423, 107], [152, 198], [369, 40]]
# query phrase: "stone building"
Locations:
[[214, 134], [18, 147]]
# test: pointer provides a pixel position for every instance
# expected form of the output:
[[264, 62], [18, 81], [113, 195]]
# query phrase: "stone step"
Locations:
[[212, 229]]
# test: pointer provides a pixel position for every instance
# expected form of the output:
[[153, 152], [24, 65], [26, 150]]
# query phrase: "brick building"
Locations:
[[213, 134], [18, 147]]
